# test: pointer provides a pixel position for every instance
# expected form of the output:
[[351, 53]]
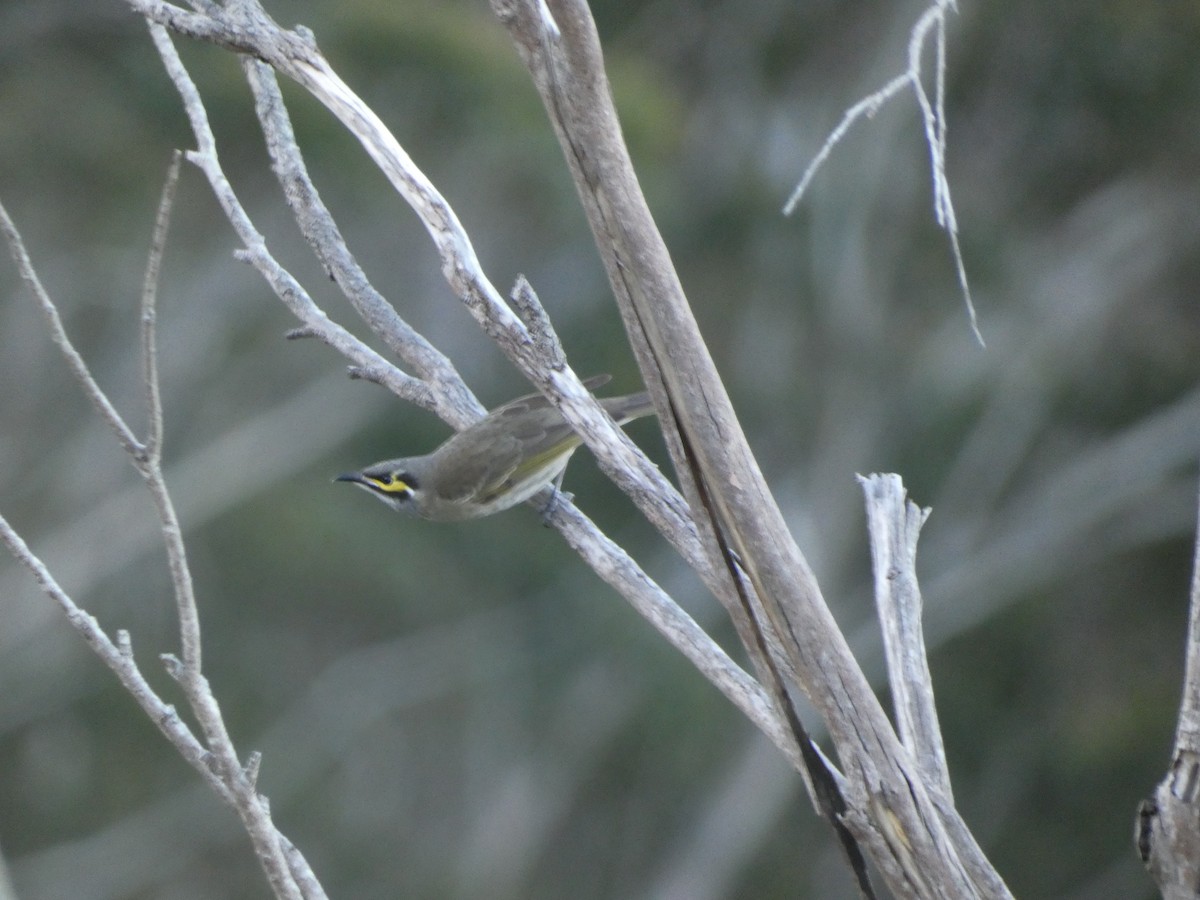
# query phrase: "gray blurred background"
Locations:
[[465, 711]]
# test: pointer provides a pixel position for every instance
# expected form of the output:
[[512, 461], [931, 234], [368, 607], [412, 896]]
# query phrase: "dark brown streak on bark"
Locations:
[[826, 791], [571, 87]]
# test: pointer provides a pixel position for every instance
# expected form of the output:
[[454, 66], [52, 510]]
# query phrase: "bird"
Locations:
[[502, 460]]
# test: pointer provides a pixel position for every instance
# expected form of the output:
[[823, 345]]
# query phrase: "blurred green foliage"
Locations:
[[462, 711]]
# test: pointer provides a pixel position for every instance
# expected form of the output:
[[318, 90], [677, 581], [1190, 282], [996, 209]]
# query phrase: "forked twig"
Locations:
[[933, 114], [216, 759]]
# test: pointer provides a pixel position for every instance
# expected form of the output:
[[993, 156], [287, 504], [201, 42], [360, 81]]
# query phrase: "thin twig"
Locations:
[[867, 106], [154, 414], [933, 115], [883, 789], [439, 388], [220, 760], [119, 658], [615, 566], [149, 464], [58, 334], [255, 251]]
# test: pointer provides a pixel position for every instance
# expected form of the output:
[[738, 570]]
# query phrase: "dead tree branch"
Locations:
[[1167, 830]]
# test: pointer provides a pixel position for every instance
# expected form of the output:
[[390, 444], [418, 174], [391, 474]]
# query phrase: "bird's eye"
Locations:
[[396, 484]]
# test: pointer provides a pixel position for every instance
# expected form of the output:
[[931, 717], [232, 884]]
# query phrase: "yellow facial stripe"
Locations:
[[390, 485]]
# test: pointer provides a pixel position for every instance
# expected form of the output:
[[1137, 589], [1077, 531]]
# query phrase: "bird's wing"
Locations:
[[477, 461], [524, 432], [529, 439]]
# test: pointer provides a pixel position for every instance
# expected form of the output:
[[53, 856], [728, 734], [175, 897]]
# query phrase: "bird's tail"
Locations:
[[627, 408]]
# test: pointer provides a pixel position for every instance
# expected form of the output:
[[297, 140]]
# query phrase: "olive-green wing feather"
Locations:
[[525, 434], [538, 435], [473, 459]]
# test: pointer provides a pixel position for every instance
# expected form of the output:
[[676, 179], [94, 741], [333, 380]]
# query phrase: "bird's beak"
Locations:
[[352, 477]]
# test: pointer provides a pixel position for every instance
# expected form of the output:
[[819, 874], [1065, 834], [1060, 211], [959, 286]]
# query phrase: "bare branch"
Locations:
[[58, 334], [1189, 711], [119, 658], [440, 388], [219, 761], [1167, 829], [711, 456], [867, 107], [934, 119], [285, 286], [895, 525], [614, 565], [154, 414]]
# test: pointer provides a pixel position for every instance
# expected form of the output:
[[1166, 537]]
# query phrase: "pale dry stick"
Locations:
[[612, 564], [936, 117], [933, 116], [150, 382], [149, 461], [732, 593], [567, 68], [118, 656], [541, 331], [894, 525], [867, 106], [1167, 828], [107, 412], [566, 64], [285, 286], [448, 395], [220, 759], [251, 806]]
